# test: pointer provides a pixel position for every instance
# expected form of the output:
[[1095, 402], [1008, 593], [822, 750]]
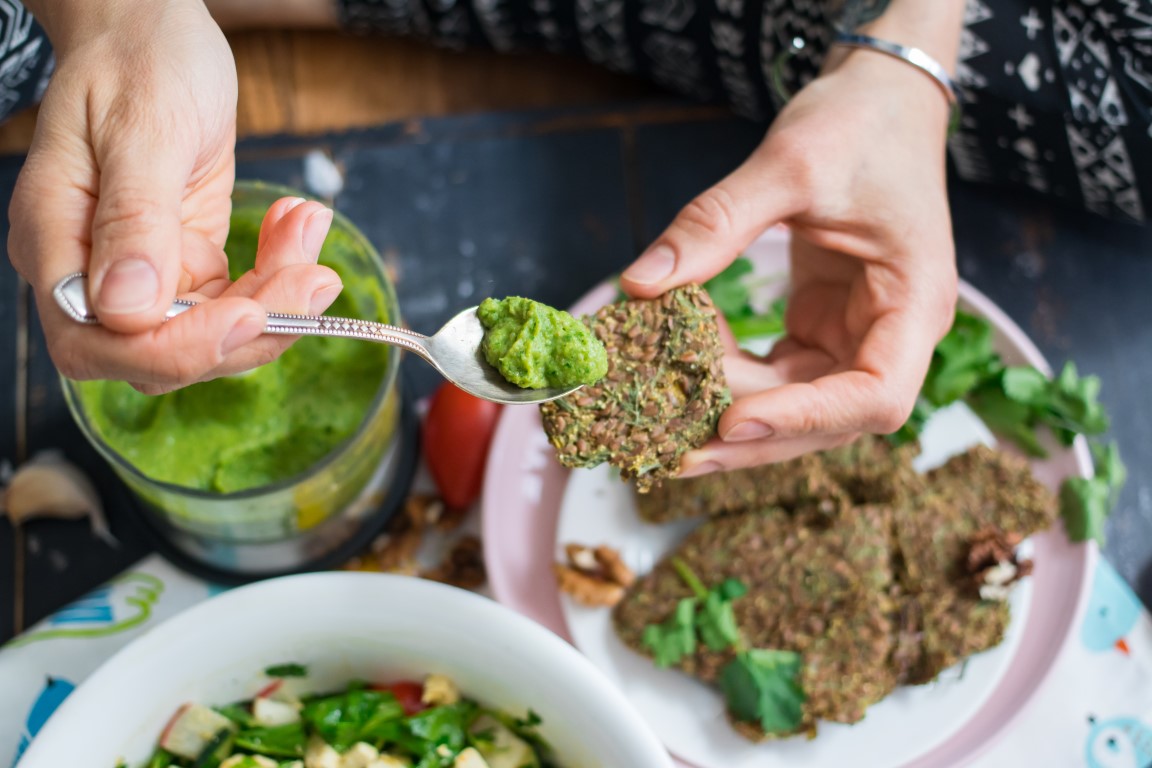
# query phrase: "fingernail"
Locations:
[[293, 203], [242, 333], [702, 468], [652, 267], [315, 230], [323, 298], [748, 430], [131, 285]]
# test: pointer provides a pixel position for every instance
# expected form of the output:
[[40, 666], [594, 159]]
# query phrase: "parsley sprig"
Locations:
[[731, 292], [1017, 402], [760, 685]]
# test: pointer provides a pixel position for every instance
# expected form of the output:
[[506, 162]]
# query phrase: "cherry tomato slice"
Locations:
[[407, 692], [457, 431]]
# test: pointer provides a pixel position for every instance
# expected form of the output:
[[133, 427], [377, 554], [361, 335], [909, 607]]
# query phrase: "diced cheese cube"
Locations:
[[270, 712], [469, 758], [359, 755], [319, 754], [439, 691]]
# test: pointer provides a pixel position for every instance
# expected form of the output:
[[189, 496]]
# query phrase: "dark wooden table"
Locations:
[[547, 205]]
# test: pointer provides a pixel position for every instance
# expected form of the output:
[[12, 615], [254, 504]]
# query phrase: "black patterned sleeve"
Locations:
[[26, 60], [1057, 94], [710, 50]]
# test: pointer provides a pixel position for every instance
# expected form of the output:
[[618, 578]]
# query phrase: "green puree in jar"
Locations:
[[263, 426], [535, 346]]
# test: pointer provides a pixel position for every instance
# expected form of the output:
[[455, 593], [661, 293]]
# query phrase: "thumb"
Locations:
[[135, 266], [709, 232]]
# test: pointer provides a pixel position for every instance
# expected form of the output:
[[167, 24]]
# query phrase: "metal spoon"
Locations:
[[454, 350]]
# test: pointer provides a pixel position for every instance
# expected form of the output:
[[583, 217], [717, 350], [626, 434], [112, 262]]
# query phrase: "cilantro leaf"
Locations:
[[761, 686], [963, 360], [716, 621], [676, 637], [922, 410], [728, 291], [1085, 502], [1025, 385], [732, 296], [1007, 417], [1073, 406]]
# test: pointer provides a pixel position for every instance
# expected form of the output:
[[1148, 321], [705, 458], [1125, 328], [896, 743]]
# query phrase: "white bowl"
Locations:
[[345, 626]]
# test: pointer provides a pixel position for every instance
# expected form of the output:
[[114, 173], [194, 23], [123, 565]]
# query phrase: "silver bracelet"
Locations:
[[913, 56]]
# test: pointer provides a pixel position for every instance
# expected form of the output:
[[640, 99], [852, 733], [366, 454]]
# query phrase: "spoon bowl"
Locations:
[[454, 351]]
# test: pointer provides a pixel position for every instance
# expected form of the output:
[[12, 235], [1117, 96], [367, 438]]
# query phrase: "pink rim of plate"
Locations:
[[524, 486]]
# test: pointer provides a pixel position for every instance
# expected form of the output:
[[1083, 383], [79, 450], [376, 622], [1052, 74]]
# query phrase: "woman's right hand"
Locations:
[[129, 178]]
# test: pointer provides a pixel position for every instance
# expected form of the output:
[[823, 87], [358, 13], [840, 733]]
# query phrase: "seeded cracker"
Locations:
[[662, 395]]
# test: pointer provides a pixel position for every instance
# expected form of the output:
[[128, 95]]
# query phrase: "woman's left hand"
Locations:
[[854, 166]]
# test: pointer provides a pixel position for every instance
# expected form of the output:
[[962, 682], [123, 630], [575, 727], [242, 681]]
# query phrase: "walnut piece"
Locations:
[[992, 565], [587, 590], [463, 566], [593, 576]]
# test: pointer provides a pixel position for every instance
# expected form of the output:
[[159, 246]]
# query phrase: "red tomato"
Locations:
[[407, 692], [269, 689], [457, 431]]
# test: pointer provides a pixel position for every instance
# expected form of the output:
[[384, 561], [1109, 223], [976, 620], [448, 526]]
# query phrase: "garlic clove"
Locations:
[[49, 486]]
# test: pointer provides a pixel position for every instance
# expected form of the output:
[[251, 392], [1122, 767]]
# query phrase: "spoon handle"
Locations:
[[71, 294]]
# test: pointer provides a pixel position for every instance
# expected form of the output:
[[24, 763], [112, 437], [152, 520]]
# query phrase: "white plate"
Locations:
[[688, 716], [524, 488]]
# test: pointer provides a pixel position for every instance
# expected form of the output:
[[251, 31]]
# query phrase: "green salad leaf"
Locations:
[[275, 741], [161, 759], [761, 686], [356, 715], [287, 670], [241, 714]]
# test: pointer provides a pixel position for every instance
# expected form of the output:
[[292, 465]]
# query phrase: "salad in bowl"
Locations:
[[347, 670]]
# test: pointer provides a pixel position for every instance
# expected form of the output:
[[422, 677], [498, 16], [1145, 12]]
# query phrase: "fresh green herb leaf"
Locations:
[[728, 291], [676, 637], [531, 720], [732, 295], [238, 713], [922, 410], [1025, 385], [276, 741], [1006, 417], [287, 670], [161, 759], [716, 621], [963, 360], [1073, 406], [1085, 502], [446, 725], [761, 686], [356, 715]]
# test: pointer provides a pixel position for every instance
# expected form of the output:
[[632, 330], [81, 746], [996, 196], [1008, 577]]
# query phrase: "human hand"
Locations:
[[129, 179], [854, 166]]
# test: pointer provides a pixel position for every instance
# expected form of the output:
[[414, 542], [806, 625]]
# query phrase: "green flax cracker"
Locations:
[[977, 490], [662, 396], [821, 592], [800, 485]]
